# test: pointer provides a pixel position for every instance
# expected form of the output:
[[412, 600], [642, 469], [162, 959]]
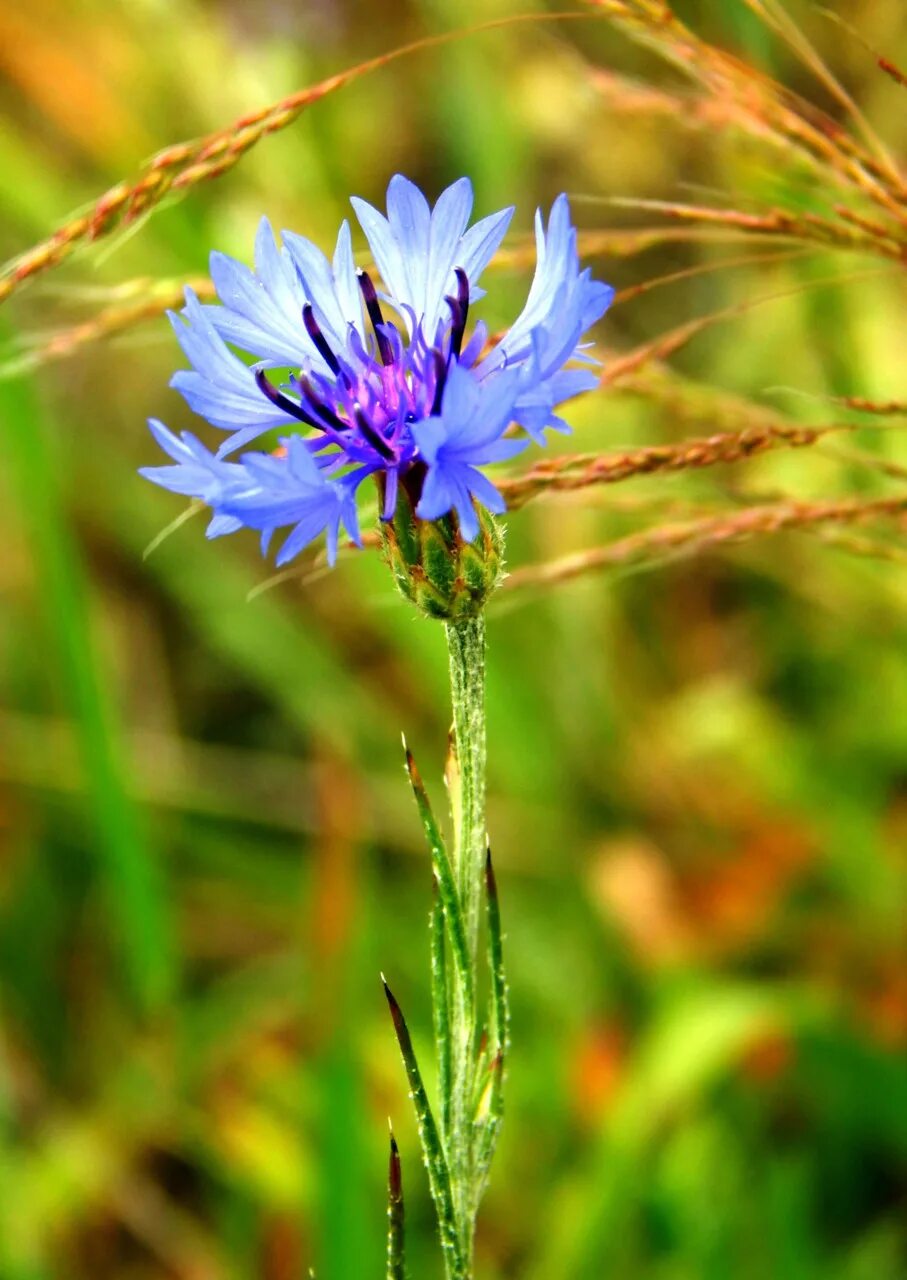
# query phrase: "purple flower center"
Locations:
[[365, 411]]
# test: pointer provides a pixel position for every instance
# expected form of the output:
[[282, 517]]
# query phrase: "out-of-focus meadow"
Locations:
[[698, 752]]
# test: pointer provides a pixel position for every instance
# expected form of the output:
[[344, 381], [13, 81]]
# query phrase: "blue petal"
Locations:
[[597, 298], [481, 488], [384, 247], [563, 301], [219, 525], [308, 529], [481, 243], [500, 451], [417, 249], [430, 436], [460, 403], [261, 309], [475, 413], [467, 434], [448, 222], [197, 473], [290, 491], [466, 512], [346, 283], [331, 289], [410, 220], [220, 387], [437, 495]]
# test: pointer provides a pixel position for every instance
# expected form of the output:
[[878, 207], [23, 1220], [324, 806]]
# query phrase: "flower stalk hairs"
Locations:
[[352, 377]]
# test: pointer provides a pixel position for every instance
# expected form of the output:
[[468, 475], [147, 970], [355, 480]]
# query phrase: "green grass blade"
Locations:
[[134, 889]]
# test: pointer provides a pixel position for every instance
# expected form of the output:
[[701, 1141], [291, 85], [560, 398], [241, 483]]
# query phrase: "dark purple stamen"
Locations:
[[324, 411], [373, 307], [314, 332], [375, 439], [459, 307], [440, 380], [280, 401]]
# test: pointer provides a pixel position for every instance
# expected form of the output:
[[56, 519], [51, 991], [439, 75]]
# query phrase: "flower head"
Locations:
[[353, 392]]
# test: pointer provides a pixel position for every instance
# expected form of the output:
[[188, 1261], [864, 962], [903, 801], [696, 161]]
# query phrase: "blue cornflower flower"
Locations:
[[360, 395]]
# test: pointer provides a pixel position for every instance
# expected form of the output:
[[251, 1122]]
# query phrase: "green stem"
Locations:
[[466, 649], [459, 1149]]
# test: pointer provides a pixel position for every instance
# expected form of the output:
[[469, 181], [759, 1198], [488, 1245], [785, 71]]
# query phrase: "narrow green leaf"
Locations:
[[447, 888], [432, 1147], [440, 995], [500, 1003], [490, 1084], [395, 1241]]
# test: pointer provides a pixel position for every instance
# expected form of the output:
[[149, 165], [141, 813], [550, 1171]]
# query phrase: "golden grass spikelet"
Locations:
[[861, 234], [110, 322], [186, 164], [694, 536], [176, 167], [579, 471], [768, 106]]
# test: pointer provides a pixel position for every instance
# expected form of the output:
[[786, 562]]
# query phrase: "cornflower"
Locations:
[[359, 381]]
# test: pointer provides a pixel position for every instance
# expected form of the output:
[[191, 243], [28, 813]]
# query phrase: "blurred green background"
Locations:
[[698, 773]]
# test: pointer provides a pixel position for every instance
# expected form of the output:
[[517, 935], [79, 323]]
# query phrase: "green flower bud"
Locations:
[[433, 566]]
